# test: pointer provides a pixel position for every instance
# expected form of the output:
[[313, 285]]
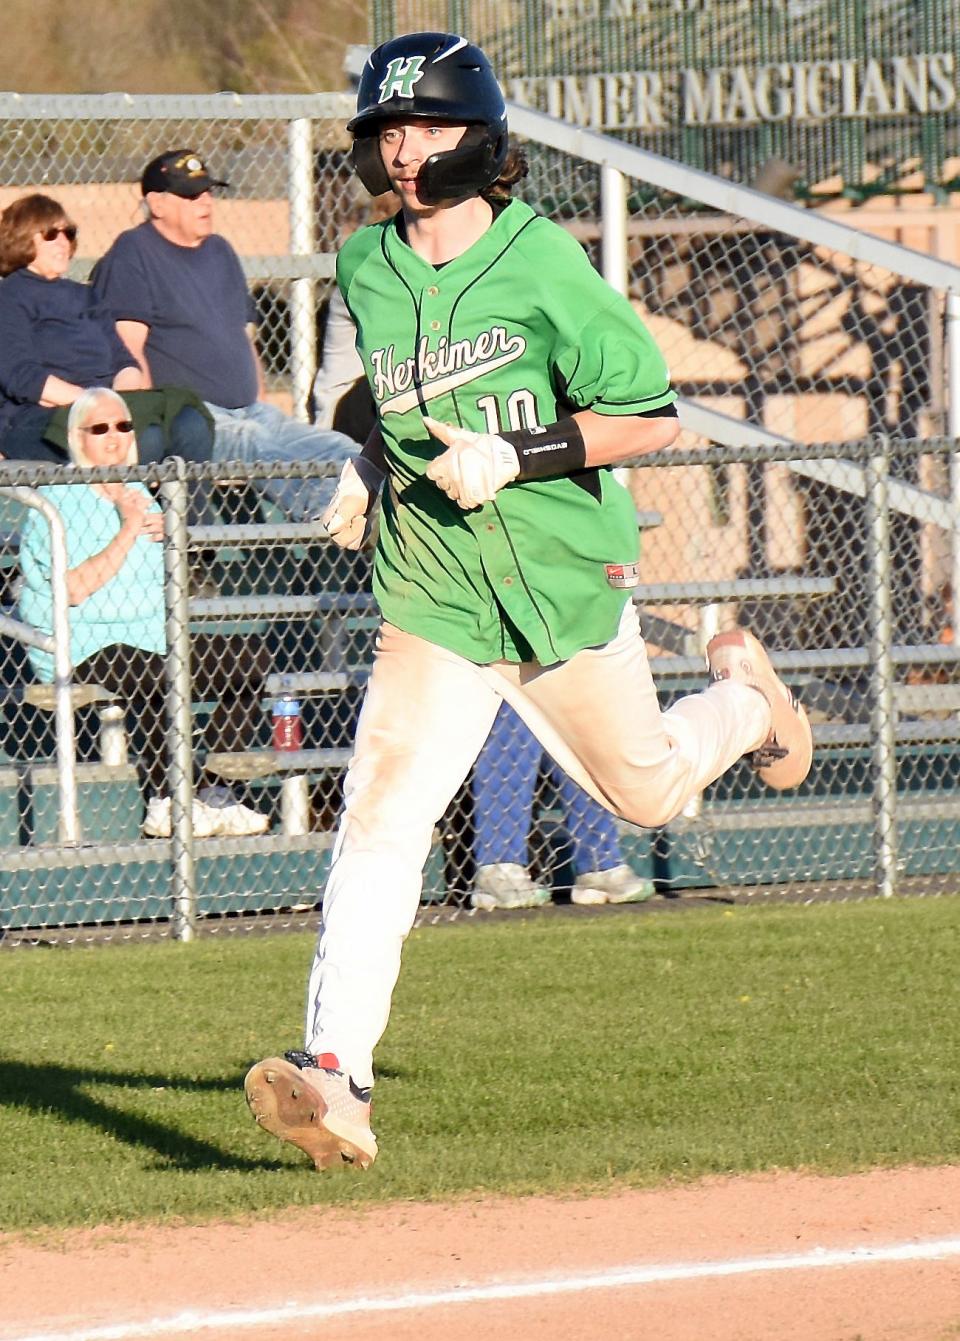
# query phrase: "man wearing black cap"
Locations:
[[180, 299]]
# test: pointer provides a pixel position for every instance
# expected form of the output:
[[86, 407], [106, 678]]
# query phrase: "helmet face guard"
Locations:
[[473, 165], [442, 79]]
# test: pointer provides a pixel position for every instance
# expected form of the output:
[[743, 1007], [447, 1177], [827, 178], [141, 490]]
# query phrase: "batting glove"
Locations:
[[475, 466], [347, 519]]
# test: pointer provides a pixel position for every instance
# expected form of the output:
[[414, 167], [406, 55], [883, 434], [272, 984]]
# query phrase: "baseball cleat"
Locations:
[[783, 759], [309, 1102]]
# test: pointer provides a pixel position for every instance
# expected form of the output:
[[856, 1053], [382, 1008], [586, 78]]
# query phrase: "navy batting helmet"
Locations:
[[441, 78]]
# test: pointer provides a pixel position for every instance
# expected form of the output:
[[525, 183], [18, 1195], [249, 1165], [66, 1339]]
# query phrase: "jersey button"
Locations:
[[508, 581], [434, 325], [490, 526], [432, 291]]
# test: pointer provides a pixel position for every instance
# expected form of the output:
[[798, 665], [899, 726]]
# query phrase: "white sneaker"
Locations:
[[620, 884], [157, 823], [236, 820], [506, 884]]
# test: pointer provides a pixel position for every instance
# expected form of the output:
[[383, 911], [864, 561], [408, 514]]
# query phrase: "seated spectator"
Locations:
[[55, 339], [115, 589], [180, 298], [504, 780]]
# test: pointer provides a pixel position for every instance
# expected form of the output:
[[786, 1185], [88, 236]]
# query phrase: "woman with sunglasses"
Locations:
[[55, 340], [115, 590]]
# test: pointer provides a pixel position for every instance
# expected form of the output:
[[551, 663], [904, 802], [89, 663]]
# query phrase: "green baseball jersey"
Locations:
[[517, 332]]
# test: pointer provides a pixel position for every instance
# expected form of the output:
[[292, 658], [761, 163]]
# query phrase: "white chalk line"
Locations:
[[189, 1323]]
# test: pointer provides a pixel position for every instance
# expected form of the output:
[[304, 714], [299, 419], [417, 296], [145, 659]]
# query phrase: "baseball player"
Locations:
[[509, 378]]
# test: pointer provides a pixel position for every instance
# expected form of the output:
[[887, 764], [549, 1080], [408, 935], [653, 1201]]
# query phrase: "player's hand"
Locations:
[[474, 467], [347, 518]]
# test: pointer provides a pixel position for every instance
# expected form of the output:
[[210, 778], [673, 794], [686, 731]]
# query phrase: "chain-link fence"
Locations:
[[290, 200], [208, 775], [779, 325], [842, 557]]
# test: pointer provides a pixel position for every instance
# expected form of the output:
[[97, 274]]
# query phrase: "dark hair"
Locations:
[[515, 168], [18, 223]]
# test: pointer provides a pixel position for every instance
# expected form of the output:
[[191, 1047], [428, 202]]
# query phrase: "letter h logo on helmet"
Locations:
[[400, 77], [442, 79]]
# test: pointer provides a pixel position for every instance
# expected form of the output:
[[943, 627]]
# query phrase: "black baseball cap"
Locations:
[[182, 172]]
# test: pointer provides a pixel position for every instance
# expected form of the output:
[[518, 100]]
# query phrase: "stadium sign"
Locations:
[[742, 95]]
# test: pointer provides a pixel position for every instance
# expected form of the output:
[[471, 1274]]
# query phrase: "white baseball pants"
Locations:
[[426, 715]]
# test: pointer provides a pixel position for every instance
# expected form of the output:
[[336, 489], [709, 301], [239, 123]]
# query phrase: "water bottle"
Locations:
[[287, 722]]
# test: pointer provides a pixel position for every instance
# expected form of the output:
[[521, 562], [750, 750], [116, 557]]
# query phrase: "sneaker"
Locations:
[[784, 758], [309, 1102], [158, 819], [506, 884], [619, 884], [231, 818]]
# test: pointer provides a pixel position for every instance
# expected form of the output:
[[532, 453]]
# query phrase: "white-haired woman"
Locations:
[[115, 580]]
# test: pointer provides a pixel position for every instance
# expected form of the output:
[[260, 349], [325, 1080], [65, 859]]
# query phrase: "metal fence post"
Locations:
[[179, 719], [68, 823], [953, 431], [613, 226], [613, 223], [303, 318], [880, 643]]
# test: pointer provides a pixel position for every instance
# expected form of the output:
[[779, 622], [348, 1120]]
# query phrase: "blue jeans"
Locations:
[[263, 433], [504, 779], [190, 437]]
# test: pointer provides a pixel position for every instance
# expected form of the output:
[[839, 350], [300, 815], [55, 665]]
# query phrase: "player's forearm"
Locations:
[[610, 438], [374, 451]]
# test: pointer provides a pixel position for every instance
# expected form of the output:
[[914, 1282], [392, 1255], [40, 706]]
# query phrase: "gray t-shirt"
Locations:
[[196, 304]]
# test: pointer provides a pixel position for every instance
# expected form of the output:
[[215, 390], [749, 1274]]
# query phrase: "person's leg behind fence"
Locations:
[[230, 671], [504, 781]]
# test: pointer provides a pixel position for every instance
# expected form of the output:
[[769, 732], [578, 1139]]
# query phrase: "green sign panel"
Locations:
[[857, 96]]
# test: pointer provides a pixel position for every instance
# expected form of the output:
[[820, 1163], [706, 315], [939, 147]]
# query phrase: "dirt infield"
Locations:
[[873, 1257]]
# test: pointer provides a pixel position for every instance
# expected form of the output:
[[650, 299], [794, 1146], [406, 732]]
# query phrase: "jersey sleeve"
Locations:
[[615, 367], [352, 255], [605, 357]]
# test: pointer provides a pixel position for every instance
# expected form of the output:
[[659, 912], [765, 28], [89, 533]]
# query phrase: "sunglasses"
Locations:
[[69, 231], [121, 425]]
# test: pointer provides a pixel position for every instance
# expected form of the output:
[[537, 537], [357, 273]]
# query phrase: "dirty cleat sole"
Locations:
[[784, 758], [285, 1102]]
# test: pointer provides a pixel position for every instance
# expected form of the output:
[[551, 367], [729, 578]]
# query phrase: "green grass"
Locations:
[[546, 1055]]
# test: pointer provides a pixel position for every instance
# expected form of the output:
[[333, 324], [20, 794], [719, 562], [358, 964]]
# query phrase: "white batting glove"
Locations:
[[347, 518], [474, 467]]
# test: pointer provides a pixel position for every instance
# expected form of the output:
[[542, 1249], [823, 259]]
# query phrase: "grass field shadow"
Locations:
[[46, 1088]]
